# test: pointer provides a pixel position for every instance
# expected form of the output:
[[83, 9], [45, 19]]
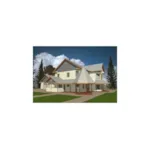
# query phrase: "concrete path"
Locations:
[[57, 93], [84, 98], [47, 94], [40, 90], [87, 97], [72, 94]]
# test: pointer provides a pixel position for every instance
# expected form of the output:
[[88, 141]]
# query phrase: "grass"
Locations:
[[105, 98], [53, 98], [37, 93]]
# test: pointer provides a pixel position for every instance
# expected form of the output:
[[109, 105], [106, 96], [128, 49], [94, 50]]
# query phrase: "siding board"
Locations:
[[66, 67]]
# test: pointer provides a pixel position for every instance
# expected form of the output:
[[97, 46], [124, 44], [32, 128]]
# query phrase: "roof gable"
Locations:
[[95, 67], [67, 65], [83, 77]]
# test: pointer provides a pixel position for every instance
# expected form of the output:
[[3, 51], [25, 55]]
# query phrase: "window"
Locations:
[[68, 74], [67, 85], [57, 75], [60, 86], [97, 87], [83, 86], [98, 74], [77, 72]]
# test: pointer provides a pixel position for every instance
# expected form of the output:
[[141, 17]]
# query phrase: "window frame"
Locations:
[[68, 74], [98, 85], [77, 72], [98, 74], [60, 86]]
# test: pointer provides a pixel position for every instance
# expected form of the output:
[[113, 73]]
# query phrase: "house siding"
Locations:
[[43, 85], [66, 67], [63, 75], [81, 88], [94, 75]]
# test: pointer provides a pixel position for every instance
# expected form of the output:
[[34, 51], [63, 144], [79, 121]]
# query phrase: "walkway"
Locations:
[[40, 90], [82, 98], [46, 94], [86, 97]]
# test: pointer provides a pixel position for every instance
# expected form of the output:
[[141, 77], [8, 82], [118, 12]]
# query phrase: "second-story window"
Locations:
[[98, 74], [68, 74], [57, 75]]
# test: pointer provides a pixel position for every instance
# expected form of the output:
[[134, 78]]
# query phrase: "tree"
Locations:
[[34, 79], [111, 75], [49, 70], [40, 74]]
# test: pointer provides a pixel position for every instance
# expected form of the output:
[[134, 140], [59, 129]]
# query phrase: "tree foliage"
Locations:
[[111, 75], [40, 74]]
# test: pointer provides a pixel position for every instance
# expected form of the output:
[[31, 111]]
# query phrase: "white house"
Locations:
[[70, 77]]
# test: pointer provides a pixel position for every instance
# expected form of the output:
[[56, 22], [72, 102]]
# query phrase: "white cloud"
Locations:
[[49, 59], [77, 61]]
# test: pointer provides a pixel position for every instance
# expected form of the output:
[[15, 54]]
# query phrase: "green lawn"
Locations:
[[105, 98], [53, 98], [38, 93]]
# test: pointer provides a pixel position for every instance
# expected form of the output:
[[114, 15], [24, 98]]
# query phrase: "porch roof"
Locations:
[[101, 82], [95, 67], [61, 81], [82, 78]]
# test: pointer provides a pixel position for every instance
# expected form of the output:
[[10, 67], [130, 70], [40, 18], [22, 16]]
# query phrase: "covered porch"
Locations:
[[68, 87]]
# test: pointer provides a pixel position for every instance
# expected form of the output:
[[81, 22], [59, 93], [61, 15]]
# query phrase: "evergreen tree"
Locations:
[[34, 80], [111, 75], [40, 74]]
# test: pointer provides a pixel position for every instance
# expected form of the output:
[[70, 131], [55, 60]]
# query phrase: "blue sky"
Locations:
[[89, 55]]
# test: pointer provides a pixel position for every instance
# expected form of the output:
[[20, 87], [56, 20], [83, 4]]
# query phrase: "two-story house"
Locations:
[[70, 77]]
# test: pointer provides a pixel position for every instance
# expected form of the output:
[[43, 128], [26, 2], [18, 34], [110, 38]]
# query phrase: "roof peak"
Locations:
[[83, 77], [69, 61]]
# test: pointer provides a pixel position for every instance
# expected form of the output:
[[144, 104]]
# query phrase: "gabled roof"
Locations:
[[95, 67], [56, 79], [83, 77], [66, 60], [101, 82], [91, 68], [45, 78], [59, 80]]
